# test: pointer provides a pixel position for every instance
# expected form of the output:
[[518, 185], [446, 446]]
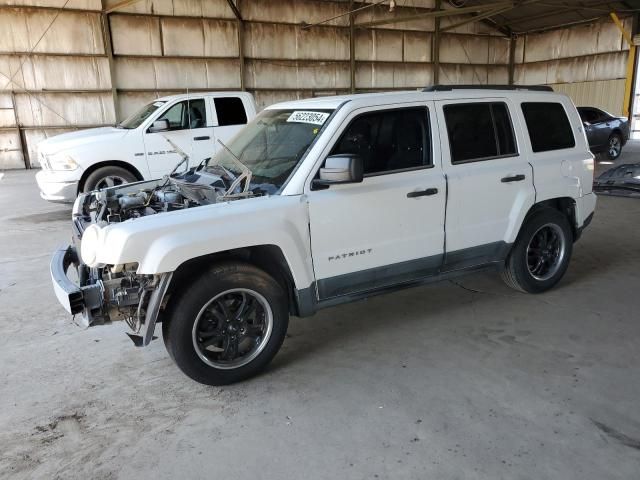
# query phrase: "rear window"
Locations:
[[479, 131], [548, 126], [230, 111]]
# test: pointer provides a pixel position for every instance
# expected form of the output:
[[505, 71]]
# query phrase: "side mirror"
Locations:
[[341, 168], [159, 126]]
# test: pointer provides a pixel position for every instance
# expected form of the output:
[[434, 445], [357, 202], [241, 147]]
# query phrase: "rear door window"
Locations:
[[479, 131], [548, 126], [230, 111]]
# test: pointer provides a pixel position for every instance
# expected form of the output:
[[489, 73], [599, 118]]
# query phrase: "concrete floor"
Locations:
[[468, 380]]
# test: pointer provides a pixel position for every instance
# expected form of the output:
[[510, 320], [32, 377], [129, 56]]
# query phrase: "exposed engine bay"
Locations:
[[192, 189], [117, 292]]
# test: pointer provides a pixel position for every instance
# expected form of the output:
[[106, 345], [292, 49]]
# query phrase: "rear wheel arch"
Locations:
[[109, 163], [565, 205]]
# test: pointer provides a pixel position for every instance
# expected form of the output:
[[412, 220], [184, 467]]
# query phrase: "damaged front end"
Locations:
[[101, 292], [102, 295]]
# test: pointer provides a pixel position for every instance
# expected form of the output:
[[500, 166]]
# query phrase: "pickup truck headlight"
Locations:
[[90, 244], [61, 161]]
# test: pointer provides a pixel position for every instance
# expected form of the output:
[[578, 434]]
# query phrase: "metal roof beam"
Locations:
[[541, 16], [477, 18], [434, 13], [235, 10], [489, 14]]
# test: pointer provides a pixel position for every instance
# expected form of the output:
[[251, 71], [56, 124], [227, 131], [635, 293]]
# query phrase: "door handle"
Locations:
[[513, 178], [201, 138], [422, 193]]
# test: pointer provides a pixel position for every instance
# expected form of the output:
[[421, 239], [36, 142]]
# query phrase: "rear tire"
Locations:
[[614, 146], [109, 176], [540, 256], [227, 325]]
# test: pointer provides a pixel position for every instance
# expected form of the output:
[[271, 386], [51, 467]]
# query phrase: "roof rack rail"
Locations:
[[445, 88]]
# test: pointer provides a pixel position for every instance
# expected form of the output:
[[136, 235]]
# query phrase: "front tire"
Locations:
[[540, 256], [105, 177], [227, 325]]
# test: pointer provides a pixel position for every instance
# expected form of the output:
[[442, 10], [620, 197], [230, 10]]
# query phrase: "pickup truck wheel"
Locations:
[[614, 146], [227, 325], [540, 256], [105, 177]]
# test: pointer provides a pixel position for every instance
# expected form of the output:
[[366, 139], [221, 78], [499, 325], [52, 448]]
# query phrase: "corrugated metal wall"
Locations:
[[605, 94], [164, 46], [588, 62], [60, 76]]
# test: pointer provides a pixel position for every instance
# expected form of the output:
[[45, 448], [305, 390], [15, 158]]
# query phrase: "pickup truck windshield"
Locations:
[[272, 145], [135, 120]]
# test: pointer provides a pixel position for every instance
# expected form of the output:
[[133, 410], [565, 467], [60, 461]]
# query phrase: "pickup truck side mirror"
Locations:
[[159, 126], [341, 168]]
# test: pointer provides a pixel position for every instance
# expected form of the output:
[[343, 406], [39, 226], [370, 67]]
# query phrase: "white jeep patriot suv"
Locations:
[[329, 200]]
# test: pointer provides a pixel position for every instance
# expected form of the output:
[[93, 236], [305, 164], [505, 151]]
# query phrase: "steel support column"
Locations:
[[240, 28], [23, 139], [631, 61], [435, 46], [352, 50], [512, 58], [108, 49]]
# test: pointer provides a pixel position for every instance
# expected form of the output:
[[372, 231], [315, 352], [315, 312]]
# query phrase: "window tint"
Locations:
[[588, 115], [135, 120], [548, 125], [187, 114], [504, 129], [601, 116], [389, 140], [230, 111], [479, 131]]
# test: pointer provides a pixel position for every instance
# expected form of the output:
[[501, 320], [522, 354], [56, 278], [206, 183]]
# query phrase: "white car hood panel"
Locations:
[[162, 242], [80, 138]]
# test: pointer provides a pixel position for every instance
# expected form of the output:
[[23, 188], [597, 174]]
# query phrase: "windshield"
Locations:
[[271, 146], [135, 120]]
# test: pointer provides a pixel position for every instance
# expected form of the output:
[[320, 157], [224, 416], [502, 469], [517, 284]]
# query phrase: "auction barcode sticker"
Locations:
[[315, 118]]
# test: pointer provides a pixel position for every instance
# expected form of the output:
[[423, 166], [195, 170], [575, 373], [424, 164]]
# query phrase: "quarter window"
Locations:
[[388, 140], [548, 126], [479, 131], [588, 115], [187, 114], [230, 111]]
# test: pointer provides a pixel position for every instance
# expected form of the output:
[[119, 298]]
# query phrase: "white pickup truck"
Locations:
[[139, 148], [329, 200]]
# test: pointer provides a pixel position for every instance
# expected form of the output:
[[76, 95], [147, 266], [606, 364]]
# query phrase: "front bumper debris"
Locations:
[[102, 299], [75, 299]]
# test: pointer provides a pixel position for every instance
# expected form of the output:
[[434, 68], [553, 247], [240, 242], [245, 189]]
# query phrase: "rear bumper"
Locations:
[[586, 206], [74, 298], [53, 189], [585, 209]]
